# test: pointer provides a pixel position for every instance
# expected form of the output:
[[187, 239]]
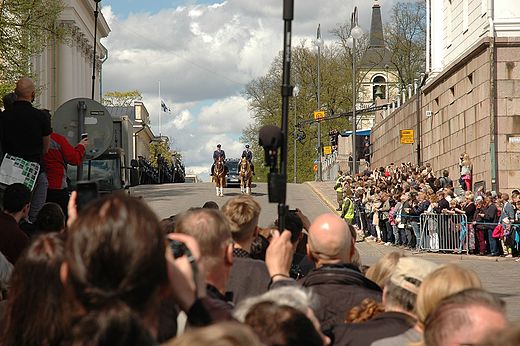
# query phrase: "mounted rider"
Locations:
[[248, 154], [218, 154]]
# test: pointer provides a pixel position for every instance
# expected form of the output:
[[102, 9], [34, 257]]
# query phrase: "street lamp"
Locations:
[[319, 44], [355, 34], [296, 91], [96, 13]]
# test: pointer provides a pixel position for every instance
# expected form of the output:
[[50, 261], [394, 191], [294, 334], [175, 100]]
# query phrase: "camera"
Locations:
[[179, 249]]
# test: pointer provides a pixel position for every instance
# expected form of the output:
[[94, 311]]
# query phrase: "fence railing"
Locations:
[[444, 232]]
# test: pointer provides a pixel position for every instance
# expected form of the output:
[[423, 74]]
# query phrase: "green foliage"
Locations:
[[121, 98], [406, 39], [26, 28], [160, 147]]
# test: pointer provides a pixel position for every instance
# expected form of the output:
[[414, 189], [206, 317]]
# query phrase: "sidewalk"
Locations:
[[370, 251]]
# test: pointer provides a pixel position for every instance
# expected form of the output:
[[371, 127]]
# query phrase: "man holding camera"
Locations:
[[61, 154], [25, 133]]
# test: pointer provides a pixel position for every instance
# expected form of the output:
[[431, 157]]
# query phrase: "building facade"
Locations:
[[470, 102], [64, 69]]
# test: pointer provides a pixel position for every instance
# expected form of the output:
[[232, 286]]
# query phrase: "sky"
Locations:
[[198, 55]]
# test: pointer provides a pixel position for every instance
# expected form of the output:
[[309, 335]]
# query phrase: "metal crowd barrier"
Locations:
[[444, 232]]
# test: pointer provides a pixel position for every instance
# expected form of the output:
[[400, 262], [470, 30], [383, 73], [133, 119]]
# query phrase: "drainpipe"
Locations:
[[418, 96], [493, 98], [101, 75]]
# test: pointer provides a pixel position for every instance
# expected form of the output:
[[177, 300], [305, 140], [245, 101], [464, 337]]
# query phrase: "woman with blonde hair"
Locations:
[[443, 282], [381, 271], [466, 167]]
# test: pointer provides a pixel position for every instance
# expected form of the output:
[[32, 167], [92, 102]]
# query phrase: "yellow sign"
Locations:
[[327, 150], [406, 136], [319, 115]]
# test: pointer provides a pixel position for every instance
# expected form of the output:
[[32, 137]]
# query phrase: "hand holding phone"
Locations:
[[87, 191]]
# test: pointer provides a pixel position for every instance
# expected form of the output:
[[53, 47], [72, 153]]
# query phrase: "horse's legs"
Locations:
[[216, 188], [221, 191]]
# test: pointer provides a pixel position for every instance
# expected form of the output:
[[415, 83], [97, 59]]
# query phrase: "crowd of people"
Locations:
[[409, 207], [114, 274]]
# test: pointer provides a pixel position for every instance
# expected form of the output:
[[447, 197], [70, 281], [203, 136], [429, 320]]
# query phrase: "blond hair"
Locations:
[[211, 230], [242, 213], [441, 283], [382, 270], [220, 334]]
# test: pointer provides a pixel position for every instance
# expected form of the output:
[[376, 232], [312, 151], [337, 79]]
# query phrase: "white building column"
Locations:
[[66, 74], [437, 35]]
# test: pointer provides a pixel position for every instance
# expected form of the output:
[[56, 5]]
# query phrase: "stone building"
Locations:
[[470, 101], [64, 69]]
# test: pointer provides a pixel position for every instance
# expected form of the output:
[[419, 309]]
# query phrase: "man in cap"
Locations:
[[219, 153], [248, 154], [399, 297]]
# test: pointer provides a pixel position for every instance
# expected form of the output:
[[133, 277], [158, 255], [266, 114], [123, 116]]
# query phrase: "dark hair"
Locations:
[[282, 325], [8, 100], [37, 312], [50, 218], [116, 254], [259, 247], [115, 324], [16, 197], [210, 205], [168, 224]]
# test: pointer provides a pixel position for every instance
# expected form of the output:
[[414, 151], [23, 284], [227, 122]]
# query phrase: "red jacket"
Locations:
[[59, 155]]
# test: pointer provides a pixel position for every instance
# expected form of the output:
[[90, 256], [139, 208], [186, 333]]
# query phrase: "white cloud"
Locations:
[[203, 55]]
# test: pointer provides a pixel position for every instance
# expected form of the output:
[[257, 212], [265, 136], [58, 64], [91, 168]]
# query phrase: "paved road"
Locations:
[[170, 199], [500, 276]]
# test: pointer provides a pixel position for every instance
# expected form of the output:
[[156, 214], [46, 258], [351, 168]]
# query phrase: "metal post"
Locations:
[[319, 120], [295, 93], [354, 97], [96, 12]]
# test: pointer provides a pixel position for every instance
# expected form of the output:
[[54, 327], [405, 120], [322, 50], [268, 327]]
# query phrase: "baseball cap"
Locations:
[[411, 268]]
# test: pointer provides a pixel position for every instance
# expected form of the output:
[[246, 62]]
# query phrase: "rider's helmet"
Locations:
[[247, 146], [218, 145]]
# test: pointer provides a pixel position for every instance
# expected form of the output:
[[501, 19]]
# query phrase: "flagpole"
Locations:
[[160, 109]]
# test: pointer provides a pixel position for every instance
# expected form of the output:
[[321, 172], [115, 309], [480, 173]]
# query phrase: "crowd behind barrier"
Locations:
[[409, 206]]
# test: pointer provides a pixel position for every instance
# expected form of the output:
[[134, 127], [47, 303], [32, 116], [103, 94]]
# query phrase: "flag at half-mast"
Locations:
[[164, 107]]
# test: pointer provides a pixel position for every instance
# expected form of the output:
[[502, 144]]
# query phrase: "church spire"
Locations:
[[376, 27]]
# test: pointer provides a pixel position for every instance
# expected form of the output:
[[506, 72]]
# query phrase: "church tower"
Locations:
[[376, 71]]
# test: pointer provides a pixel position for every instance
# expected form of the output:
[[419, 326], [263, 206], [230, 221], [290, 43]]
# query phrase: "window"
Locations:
[[378, 87]]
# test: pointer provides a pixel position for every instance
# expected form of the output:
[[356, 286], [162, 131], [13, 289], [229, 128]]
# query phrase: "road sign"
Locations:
[[327, 150], [319, 115], [315, 167], [406, 136]]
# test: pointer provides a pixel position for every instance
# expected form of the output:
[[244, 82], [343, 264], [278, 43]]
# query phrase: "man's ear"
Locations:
[[26, 209], [228, 255], [309, 253], [352, 249], [256, 232]]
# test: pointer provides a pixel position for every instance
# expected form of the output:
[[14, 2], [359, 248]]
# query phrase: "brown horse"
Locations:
[[246, 176], [219, 175]]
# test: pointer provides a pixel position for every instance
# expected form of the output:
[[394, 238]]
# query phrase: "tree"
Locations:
[[265, 102], [160, 147], [26, 28], [406, 39], [121, 98]]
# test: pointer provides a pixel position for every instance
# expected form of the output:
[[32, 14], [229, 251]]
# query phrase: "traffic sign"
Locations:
[[319, 115], [406, 136], [315, 167], [327, 150]]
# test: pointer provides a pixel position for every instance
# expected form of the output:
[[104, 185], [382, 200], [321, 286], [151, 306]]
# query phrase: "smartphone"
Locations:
[[84, 135], [87, 191]]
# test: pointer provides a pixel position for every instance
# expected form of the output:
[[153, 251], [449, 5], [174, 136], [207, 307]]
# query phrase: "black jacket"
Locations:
[[382, 326], [339, 288]]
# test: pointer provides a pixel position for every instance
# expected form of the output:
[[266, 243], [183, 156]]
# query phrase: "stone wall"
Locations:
[[456, 109]]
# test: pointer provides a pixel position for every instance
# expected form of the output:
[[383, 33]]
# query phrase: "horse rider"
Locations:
[[219, 153], [248, 154]]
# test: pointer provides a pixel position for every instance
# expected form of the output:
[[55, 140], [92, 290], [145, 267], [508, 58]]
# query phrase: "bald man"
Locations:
[[25, 132], [336, 280]]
